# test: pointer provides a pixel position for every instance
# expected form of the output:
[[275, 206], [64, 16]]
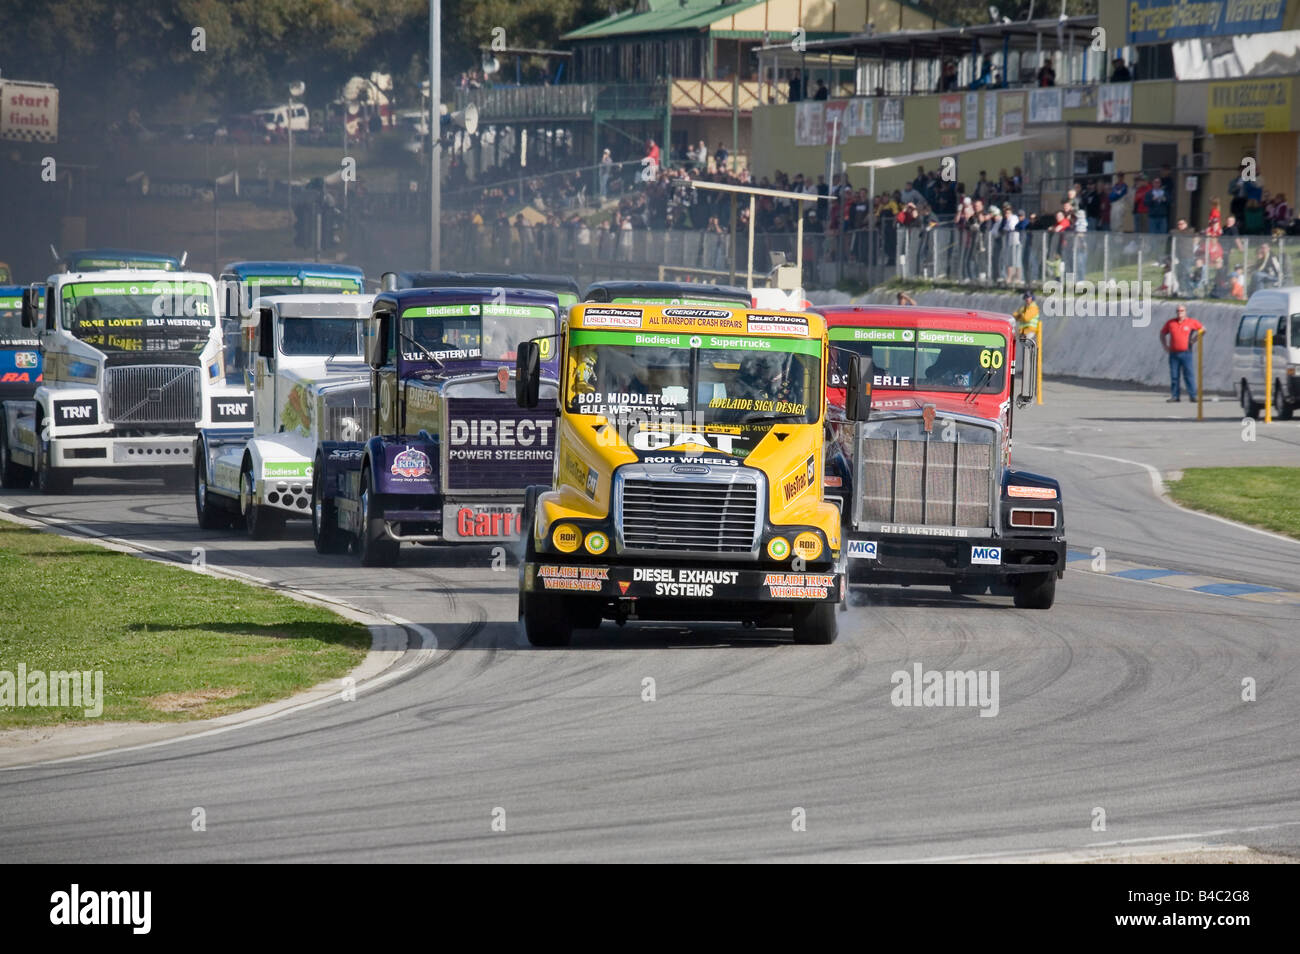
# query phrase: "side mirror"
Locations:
[[528, 373], [857, 397], [264, 344], [378, 331], [31, 305], [1026, 370]]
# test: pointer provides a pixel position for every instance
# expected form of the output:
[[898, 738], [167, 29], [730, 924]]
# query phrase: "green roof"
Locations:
[[663, 16]]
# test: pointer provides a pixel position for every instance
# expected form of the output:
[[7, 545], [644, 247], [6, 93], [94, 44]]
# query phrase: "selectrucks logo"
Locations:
[[611, 318], [411, 463], [777, 324]]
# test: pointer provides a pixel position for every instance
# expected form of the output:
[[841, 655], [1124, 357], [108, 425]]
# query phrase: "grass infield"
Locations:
[[1267, 497], [173, 644]]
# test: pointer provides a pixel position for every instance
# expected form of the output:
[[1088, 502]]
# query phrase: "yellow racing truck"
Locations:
[[688, 472]]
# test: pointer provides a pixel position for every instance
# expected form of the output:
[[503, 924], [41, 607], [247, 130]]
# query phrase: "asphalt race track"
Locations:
[[1126, 696]]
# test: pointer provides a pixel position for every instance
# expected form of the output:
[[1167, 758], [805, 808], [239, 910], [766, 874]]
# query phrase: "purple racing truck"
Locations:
[[450, 453]]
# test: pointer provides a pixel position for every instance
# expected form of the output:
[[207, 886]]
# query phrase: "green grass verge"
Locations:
[[173, 644], [1267, 497]]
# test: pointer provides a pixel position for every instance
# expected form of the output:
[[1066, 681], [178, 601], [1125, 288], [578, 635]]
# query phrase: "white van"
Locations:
[[1278, 309], [276, 118]]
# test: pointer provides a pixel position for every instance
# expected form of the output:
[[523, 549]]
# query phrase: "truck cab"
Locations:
[[100, 259], [449, 453], [563, 287], [132, 367], [688, 481], [926, 487], [307, 382], [242, 283]]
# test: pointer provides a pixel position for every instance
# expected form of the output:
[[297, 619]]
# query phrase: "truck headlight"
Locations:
[[808, 545], [566, 537]]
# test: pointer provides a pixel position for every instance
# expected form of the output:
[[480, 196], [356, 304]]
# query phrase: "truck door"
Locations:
[[262, 356]]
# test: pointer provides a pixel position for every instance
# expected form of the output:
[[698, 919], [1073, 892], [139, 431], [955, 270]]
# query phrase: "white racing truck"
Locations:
[[309, 383], [133, 368]]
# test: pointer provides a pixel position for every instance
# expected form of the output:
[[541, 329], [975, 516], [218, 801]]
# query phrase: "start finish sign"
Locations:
[[29, 111]]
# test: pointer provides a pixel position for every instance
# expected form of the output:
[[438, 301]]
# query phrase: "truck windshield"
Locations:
[[707, 378], [11, 324], [461, 332], [139, 316], [923, 359], [323, 337]]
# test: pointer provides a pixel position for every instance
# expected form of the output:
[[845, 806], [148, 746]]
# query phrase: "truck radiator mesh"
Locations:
[[348, 423], [926, 482], [688, 516], [152, 394]]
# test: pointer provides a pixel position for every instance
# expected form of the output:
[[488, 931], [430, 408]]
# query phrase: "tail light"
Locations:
[[1036, 519]]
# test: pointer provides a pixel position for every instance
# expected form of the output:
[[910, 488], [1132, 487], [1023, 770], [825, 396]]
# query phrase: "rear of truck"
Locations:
[[926, 485], [688, 477]]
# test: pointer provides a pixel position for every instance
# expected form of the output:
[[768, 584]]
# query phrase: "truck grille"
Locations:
[[344, 423], [152, 394], [908, 476], [680, 516]]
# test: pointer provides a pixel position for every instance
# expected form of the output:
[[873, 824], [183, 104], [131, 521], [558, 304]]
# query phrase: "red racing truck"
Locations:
[[926, 487]]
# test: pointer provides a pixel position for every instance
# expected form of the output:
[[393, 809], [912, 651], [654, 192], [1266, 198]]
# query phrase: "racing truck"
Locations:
[[20, 370], [132, 368], [926, 487], [449, 453], [241, 283], [688, 478], [309, 383]]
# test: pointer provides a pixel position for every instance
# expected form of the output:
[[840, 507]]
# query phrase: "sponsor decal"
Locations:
[[808, 545], [503, 379], [692, 460], [798, 586], [491, 444], [76, 412], [623, 585], [612, 318], [924, 531], [986, 556], [350, 454], [780, 323], [482, 522], [592, 481], [778, 548], [583, 579], [717, 319], [796, 483], [1037, 493], [286, 468], [862, 549], [17, 377], [670, 582], [224, 409], [411, 463], [597, 543], [566, 538], [26, 359]]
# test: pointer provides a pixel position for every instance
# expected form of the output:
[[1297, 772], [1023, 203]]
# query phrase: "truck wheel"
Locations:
[[210, 516], [11, 475], [546, 620], [324, 517], [1035, 590], [1249, 406], [47, 479], [373, 545], [262, 523], [1282, 411], [815, 625]]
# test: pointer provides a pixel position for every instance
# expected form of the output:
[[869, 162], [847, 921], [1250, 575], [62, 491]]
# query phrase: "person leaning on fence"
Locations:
[[1268, 269], [1178, 337]]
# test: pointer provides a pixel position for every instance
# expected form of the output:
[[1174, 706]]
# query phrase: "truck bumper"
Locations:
[[681, 590], [114, 453], [906, 558]]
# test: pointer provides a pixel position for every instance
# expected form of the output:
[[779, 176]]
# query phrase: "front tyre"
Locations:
[[815, 624], [262, 523], [12, 475], [210, 516], [324, 517], [1035, 590], [546, 620], [1282, 411], [374, 546], [47, 479]]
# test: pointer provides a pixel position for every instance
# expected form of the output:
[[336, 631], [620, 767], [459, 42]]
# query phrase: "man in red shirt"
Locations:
[[1177, 337]]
